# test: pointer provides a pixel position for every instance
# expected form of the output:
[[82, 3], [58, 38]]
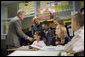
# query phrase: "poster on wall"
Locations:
[[46, 14], [43, 14]]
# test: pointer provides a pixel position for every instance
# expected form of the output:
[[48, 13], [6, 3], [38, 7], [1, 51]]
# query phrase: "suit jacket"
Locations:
[[14, 33]]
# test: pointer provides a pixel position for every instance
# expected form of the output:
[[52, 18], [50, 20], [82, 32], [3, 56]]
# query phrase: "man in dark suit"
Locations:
[[15, 31]]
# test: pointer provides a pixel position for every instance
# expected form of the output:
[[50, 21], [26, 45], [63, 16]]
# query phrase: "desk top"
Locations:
[[46, 51], [34, 53]]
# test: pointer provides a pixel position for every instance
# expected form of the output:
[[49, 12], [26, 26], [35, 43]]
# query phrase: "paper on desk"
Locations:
[[56, 48], [24, 47], [36, 47]]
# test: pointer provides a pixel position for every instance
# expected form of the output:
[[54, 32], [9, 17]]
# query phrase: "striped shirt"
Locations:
[[77, 42]]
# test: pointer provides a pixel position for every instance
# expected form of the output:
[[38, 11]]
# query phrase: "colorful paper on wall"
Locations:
[[43, 14]]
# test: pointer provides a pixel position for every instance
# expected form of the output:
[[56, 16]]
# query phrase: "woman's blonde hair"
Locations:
[[63, 31]]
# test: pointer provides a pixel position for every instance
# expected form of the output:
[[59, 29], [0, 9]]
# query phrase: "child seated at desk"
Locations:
[[39, 42], [62, 38]]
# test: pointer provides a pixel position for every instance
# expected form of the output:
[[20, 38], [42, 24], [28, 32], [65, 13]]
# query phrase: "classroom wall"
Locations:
[[5, 13], [12, 10]]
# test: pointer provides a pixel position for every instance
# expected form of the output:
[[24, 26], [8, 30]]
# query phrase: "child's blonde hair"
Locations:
[[63, 31]]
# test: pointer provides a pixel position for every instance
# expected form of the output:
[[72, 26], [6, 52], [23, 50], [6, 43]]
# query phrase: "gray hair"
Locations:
[[20, 12]]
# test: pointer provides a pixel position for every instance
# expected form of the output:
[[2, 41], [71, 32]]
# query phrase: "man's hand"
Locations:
[[31, 39]]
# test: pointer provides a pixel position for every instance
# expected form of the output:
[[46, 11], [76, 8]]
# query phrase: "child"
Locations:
[[62, 38], [38, 42]]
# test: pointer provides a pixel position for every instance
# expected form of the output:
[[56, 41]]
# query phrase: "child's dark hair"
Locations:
[[39, 33], [81, 9]]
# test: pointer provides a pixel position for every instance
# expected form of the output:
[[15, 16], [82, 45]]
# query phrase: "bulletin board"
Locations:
[[46, 13], [43, 14]]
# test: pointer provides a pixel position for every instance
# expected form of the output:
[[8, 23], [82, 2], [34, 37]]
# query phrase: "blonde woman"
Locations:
[[62, 38]]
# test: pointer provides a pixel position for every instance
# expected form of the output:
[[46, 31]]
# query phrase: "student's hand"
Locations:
[[56, 42], [62, 41], [70, 54]]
